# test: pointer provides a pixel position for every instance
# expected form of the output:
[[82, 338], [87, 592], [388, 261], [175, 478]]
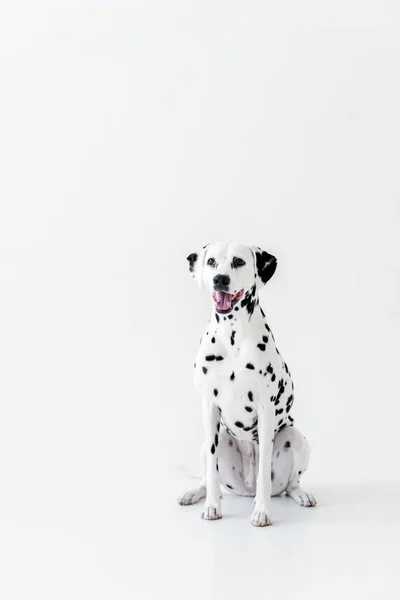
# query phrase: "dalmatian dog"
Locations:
[[251, 445]]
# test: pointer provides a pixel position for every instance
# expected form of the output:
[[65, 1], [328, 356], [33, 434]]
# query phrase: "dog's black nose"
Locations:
[[221, 281]]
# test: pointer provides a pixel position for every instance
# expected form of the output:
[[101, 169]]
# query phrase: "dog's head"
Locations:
[[230, 270]]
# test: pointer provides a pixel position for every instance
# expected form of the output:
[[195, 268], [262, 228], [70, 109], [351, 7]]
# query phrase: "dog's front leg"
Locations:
[[262, 509], [211, 421]]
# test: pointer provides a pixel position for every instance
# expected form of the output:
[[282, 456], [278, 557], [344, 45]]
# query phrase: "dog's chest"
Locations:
[[235, 378], [239, 371]]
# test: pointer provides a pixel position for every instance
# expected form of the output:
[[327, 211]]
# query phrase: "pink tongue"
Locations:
[[223, 300]]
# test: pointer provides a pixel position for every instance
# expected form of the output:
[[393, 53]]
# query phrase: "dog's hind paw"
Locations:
[[301, 497], [192, 496], [211, 513]]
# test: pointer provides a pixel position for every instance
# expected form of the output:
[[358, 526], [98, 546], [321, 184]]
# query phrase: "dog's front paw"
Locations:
[[211, 513], [260, 518]]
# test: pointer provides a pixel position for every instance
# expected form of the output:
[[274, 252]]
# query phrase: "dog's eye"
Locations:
[[211, 262], [237, 262]]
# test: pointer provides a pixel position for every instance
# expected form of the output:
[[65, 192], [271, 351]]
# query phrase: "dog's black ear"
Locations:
[[192, 259], [196, 264], [265, 265]]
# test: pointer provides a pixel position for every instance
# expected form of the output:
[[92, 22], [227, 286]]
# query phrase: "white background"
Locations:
[[132, 133]]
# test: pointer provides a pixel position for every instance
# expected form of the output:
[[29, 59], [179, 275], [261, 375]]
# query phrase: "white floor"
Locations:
[[83, 530]]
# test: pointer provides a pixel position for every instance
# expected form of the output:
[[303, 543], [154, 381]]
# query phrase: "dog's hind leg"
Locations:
[[291, 455], [195, 494]]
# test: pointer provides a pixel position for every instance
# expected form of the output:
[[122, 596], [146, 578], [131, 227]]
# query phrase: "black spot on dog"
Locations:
[[248, 408], [273, 377], [265, 339], [272, 475], [229, 486], [250, 395], [213, 449], [216, 439], [219, 358], [233, 338], [270, 369], [204, 370], [287, 445], [216, 466], [260, 372], [250, 366], [218, 426], [217, 317], [250, 307], [210, 357], [249, 300], [213, 340], [261, 346], [281, 389], [230, 317], [280, 422], [291, 419], [278, 411], [236, 308], [215, 392], [232, 377], [300, 472], [239, 424], [273, 398]]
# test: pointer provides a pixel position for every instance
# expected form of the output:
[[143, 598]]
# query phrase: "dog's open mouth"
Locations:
[[224, 302]]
